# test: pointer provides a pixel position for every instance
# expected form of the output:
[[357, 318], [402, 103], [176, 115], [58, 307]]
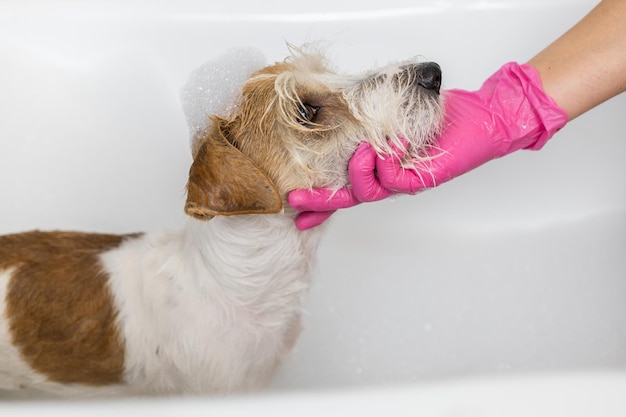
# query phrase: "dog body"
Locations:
[[157, 315], [216, 306]]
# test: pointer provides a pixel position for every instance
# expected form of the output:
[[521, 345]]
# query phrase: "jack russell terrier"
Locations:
[[212, 308]]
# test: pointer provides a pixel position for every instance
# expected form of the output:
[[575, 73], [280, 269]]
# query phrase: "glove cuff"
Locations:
[[531, 116]]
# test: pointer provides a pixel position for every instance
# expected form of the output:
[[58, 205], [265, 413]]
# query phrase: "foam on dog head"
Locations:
[[215, 87]]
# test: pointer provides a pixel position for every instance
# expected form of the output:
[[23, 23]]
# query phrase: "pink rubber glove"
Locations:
[[509, 112]]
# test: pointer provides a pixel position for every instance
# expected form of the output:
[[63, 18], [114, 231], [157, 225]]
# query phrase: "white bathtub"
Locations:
[[500, 293]]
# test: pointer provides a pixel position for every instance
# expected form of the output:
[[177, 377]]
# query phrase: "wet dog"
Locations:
[[216, 306]]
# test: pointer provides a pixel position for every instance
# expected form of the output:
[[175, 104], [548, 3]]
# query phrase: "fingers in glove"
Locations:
[[309, 219], [363, 178]]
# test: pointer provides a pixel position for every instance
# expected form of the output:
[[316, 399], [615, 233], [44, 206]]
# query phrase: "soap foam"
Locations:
[[215, 87]]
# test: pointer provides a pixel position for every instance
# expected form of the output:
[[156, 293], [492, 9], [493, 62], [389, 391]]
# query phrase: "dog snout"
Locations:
[[429, 76], [426, 75]]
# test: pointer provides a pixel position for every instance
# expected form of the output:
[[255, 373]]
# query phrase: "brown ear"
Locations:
[[225, 182]]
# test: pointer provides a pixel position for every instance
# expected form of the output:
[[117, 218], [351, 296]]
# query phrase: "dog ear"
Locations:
[[225, 182]]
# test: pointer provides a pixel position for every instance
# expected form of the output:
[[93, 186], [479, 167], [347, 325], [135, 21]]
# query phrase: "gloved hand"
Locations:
[[509, 112]]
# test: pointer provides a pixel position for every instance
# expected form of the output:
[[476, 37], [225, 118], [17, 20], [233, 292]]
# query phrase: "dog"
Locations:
[[215, 307]]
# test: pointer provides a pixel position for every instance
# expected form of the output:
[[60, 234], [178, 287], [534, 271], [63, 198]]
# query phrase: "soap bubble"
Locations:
[[215, 87]]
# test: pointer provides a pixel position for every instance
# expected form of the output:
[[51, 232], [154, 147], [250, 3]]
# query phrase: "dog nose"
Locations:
[[429, 76]]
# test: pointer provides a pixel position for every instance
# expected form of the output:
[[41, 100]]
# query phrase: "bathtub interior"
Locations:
[[516, 267]]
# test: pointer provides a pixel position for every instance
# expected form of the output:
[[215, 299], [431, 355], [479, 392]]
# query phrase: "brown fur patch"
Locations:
[[60, 310], [268, 130], [255, 131], [223, 181]]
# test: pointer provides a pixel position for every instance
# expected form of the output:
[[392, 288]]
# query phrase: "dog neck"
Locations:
[[259, 261]]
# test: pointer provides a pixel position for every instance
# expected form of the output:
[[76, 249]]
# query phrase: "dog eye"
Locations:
[[307, 113]]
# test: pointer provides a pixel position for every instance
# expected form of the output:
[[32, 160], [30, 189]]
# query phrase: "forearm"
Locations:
[[587, 65]]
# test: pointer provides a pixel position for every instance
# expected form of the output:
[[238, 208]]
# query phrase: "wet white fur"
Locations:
[[213, 303]]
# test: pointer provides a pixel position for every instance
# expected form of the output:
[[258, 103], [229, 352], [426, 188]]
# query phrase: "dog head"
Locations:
[[296, 125]]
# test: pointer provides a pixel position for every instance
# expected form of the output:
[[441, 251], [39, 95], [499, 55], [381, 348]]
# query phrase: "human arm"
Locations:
[[587, 65]]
